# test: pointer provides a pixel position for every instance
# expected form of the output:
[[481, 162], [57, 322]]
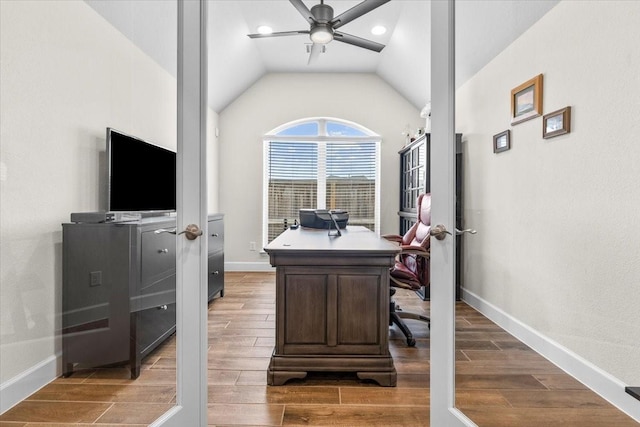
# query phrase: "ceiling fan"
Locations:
[[323, 26]]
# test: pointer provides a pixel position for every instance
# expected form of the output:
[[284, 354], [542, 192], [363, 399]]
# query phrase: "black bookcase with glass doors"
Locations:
[[415, 167]]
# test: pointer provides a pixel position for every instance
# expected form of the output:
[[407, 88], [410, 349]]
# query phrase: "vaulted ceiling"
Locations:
[[483, 30]]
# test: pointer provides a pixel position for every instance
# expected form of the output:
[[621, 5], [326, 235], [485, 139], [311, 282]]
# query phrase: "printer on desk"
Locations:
[[321, 218]]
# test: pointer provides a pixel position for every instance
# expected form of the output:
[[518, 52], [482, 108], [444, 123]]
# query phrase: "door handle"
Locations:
[[466, 230], [192, 232], [439, 232]]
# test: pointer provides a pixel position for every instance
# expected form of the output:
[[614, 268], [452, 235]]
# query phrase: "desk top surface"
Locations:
[[353, 239]]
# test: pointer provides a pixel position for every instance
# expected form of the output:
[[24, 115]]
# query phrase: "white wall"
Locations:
[[558, 237], [66, 74], [280, 98]]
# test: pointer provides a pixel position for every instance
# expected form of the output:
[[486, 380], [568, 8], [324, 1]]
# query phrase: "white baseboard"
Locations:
[[248, 266], [601, 382], [28, 382]]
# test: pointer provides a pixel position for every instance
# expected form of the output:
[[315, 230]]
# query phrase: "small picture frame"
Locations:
[[502, 141], [556, 123], [526, 100]]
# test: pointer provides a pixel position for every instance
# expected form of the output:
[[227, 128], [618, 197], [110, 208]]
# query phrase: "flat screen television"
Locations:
[[141, 175]]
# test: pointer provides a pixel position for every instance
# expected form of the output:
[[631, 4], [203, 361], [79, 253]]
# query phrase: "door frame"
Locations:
[[191, 255], [443, 183]]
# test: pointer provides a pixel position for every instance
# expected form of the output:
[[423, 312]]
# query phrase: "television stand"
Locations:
[[119, 289]]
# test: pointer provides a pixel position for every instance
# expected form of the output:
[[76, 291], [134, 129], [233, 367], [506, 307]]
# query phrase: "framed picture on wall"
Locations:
[[556, 123], [526, 100], [502, 141]]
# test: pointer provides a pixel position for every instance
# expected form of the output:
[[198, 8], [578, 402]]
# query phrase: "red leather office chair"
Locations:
[[411, 270]]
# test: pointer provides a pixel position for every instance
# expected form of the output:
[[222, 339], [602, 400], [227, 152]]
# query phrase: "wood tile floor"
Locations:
[[500, 381]]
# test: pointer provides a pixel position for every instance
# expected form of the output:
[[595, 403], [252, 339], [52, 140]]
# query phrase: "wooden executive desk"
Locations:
[[332, 304]]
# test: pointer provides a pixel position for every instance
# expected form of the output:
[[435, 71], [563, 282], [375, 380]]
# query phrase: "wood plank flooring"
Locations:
[[500, 381]]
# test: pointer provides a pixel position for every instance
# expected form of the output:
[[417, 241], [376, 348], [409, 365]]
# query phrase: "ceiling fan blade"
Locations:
[[278, 34], [357, 41], [316, 49], [355, 12], [304, 10]]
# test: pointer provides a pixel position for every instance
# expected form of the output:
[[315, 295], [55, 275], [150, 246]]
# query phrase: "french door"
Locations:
[[191, 255], [443, 149]]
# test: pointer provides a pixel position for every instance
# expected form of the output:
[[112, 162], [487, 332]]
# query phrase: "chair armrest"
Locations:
[[392, 237], [415, 250]]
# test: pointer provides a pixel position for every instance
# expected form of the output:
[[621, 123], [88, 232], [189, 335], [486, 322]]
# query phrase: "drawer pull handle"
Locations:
[[216, 272], [163, 307], [163, 251], [165, 230], [214, 235]]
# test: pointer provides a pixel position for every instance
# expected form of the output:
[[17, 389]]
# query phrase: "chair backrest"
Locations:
[[418, 235]]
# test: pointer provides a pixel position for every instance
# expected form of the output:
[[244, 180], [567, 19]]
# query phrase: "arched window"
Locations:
[[320, 163]]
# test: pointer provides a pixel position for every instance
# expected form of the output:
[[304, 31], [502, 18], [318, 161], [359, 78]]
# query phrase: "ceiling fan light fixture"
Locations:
[[321, 34], [378, 30], [265, 29]]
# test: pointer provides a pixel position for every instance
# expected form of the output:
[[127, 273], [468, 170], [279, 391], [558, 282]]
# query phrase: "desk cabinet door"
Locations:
[[330, 313], [306, 313], [358, 312]]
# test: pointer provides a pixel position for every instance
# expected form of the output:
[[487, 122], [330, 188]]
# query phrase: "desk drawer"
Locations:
[[157, 257], [155, 294], [153, 326], [215, 274], [215, 231]]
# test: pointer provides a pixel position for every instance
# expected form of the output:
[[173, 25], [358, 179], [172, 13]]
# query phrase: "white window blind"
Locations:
[[292, 182], [324, 165], [351, 180]]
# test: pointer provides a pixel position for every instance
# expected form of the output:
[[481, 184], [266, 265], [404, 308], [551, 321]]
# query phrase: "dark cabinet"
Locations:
[[119, 289], [215, 232], [415, 166], [414, 179]]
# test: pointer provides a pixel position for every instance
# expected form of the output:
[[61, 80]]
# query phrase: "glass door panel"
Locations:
[[544, 315], [96, 295]]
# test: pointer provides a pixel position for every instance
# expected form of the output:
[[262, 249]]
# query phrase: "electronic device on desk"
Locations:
[[323, 218], [102, 217]]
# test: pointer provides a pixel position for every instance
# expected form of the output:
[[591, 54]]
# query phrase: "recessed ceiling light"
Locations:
[[265, 29], [378, 30]]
